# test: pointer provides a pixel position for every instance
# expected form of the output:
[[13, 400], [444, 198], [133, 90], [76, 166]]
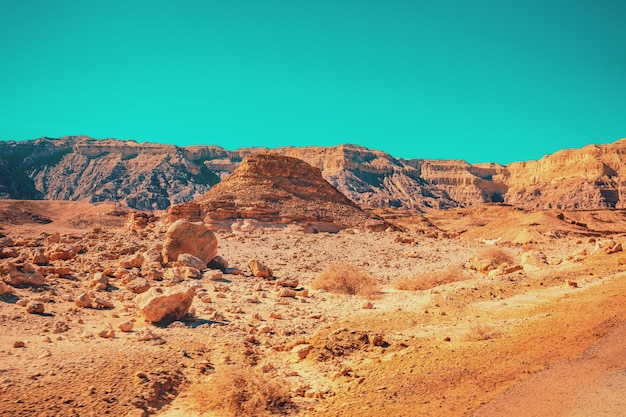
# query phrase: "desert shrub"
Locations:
[[481, 331], [496, 256], [244, 392], [345, 278], [427, 280]]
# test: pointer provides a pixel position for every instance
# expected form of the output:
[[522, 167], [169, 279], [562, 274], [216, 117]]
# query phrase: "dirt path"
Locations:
[[593, 384]]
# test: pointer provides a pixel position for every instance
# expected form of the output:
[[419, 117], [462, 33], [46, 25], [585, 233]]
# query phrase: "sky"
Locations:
[[480, 80]]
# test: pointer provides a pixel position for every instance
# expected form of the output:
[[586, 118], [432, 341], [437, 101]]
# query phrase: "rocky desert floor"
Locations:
[[532, 322]]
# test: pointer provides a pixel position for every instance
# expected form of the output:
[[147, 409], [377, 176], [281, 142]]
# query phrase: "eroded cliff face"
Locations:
[[372, 177], [466, 184], [151, 176], [143, 176], [588, 178]]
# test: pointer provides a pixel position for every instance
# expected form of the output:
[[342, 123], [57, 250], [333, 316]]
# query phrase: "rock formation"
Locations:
[[150, 176], [372, 177], [588, 178], [142, 175], [276, 189]]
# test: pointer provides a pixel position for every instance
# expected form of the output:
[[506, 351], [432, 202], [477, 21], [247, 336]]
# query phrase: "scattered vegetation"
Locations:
[[245, 392], [481, 331], [496, 256], [345, 278], [427, 280]]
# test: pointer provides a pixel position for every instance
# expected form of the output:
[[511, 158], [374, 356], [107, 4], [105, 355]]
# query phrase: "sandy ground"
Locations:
[[523, 343]]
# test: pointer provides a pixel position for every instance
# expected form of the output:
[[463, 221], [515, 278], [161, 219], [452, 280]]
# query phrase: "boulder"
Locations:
[[186, 259], [287, 282], [6, 252], [152, 273], [259, 270], [193, 238], [533, 260], [153, 256], [100, 281], [213, 275], [173, 275], [138, 220], [39, 258], [287, 292], [614, 248], [190, 272], [83, 300], [158, 304], [126, 326], [25, 274], [138, 285], [35, 307], [132, 261], [61, 252], [4, 288], [218, 263], [54, 238], [99, 302]]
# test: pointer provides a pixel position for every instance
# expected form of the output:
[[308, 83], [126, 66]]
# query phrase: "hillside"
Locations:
[[277, 189]]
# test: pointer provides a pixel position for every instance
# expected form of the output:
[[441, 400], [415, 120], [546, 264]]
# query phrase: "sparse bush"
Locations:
[[496, 256], [427, 280], [345, 278], [481, 331], [244, 392]]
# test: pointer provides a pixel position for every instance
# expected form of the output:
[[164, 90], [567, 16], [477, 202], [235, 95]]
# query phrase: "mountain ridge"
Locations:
[[149, 176]]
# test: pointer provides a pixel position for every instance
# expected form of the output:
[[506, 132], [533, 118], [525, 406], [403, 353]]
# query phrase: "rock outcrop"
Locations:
[[280, 190], [588, 178], [372, 177], [21, 274], [142, 175]]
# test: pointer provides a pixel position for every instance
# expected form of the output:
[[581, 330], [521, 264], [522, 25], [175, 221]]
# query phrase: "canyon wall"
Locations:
[[150, 176]]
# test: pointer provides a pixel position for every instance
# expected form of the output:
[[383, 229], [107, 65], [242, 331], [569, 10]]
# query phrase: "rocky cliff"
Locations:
[[151, 176], [142, 175], [588, 178]]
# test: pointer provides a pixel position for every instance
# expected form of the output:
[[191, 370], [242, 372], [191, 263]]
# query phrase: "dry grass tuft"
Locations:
[[244, 392], [427, 280], [481, 331], [345, 278], [496, 256]]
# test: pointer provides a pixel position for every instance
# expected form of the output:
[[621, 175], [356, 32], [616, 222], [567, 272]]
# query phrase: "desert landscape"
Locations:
[[140, 279]]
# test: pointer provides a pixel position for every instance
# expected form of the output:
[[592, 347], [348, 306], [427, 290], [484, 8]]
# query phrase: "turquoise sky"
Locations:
[[480, 80]]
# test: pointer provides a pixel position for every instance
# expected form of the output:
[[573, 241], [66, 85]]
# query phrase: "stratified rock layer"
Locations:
[[588, 178], [142, 175], [150, 176], [277, 189]]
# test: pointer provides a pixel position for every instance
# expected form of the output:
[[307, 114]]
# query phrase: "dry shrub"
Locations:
[[427, 280], [496, 256], [481, 331], [345, 278], [244, 392]]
